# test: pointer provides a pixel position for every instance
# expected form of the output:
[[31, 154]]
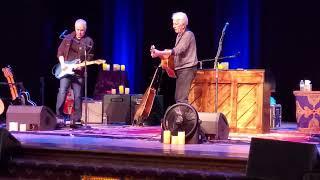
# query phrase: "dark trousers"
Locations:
[[183, 83], [76, 84]]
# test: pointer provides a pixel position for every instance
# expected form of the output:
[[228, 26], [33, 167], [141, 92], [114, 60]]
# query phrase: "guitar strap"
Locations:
[[179, 38]]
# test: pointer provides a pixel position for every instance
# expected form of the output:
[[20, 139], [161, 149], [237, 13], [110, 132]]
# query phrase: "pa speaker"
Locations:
[[9, 145], [273, 159], [214, 125], [116, 109], [34, 118]]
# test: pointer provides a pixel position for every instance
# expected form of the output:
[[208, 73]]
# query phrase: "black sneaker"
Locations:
[[76, 125], [60, 122], [60, 125]]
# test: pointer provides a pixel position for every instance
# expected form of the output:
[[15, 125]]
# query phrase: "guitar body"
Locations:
[[144, 108], [68, 70], [70, 66], [167, 63], [4, 104]]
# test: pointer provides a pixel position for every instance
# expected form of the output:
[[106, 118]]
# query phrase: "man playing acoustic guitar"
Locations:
[[185, 56], [73, 46]]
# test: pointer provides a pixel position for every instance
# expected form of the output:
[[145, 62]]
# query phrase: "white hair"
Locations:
[[180, 16], [81, 21]]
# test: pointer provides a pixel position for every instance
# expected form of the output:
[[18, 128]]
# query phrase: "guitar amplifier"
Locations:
[[94, 112], [116, 109]]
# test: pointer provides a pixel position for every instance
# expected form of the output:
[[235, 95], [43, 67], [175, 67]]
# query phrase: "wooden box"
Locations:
[[308, 110], [243, 97]]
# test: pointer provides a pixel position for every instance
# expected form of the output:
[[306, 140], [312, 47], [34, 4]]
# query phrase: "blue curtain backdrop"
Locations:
[[243, 32], [124, 25], [125, 31]]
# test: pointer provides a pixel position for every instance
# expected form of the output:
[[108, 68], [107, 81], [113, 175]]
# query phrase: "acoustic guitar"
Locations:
[[167, 63], [144, 108]]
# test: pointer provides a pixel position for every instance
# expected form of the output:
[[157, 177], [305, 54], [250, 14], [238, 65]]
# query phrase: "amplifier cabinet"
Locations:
[[116, 109], [94, 112]]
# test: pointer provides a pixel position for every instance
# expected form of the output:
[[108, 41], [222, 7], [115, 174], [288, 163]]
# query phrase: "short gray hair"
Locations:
[[81, 21], [180, 16]]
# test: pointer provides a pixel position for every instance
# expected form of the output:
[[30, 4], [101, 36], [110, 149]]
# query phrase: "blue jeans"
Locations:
[[76, 84]]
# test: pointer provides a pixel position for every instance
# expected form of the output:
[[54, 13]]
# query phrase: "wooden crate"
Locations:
[[243, 97]]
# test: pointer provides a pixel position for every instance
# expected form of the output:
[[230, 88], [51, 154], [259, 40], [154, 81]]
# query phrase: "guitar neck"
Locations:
[[154, 76], [12, 86], [85, 63]]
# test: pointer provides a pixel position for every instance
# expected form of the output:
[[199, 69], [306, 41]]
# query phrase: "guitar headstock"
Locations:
[[152, 48], [7, 72]]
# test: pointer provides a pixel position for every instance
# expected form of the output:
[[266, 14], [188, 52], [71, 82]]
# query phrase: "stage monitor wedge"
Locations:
[[275, 159], [214, 125], [34, 117], [9, 146]]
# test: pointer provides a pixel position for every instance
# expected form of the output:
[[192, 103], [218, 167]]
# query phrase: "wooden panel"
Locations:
[[243, 98]]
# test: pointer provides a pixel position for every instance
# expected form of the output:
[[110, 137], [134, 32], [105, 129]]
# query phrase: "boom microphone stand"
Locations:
[[220, 58], [216, 66], [86, 88]]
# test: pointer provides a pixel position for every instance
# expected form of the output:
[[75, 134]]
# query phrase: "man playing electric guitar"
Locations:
[[73, 46]]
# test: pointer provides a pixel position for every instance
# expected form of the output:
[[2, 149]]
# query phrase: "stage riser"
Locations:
[[59, 163]]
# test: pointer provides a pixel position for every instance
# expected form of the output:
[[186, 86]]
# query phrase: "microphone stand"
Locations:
[[216, 66], [85, 88]]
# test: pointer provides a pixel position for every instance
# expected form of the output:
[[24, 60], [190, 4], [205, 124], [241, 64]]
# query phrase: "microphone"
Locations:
[[62, 35]]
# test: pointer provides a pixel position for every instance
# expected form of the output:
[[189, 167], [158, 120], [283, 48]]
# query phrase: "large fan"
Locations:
[[182, 117]]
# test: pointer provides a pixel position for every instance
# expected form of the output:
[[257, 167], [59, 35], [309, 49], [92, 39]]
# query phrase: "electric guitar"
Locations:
[[167, 63], [71, 65], [22, 98]]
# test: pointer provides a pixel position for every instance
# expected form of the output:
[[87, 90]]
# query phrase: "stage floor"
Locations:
[[138, 150], [147, 140]]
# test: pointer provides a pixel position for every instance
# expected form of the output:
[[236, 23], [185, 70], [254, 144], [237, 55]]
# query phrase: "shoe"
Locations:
[[76, 126], [60, 125]]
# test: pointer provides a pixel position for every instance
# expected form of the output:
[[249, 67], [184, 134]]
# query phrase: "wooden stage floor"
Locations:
[[136, 152]]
